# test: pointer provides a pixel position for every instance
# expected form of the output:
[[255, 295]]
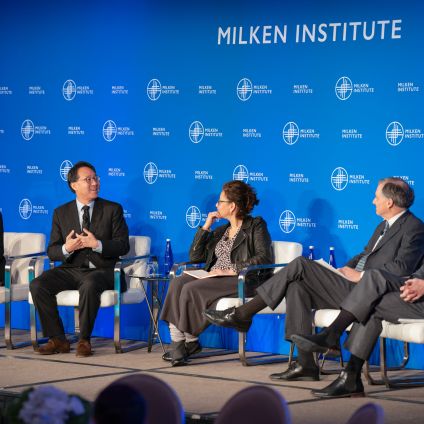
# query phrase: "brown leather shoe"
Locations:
[[54, 345], [84, 348]]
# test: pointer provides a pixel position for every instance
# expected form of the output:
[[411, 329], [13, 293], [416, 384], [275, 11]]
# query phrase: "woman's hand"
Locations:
[[212, 217], [223, 272]]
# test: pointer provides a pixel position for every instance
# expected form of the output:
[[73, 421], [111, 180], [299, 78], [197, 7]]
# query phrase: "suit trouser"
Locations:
[[90, 282], [306, 285], [376, 298]]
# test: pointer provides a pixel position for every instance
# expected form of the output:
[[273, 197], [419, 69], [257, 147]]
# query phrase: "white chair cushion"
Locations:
[[22, 244], [139, 246], [324, 317], [108, 297], [410, 332], [284, 252], [229, 302], [19, 292]]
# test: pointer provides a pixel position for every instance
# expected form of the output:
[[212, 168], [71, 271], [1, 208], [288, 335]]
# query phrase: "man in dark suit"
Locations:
[[88, 235], [379, 296], [397, 247], [2, 260]]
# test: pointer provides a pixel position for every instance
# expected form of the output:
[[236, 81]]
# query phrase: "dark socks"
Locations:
[[354, 366], [330, 336], [250, 308], [306, 359], [343, 320]]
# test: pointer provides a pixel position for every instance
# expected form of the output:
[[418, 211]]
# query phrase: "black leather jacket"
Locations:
[[252, 246]]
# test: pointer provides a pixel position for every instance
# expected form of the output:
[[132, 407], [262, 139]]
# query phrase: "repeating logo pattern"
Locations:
[[154, 89], [394, 133], [339, 178], [69, 90], [344, 88], [241, 173], [27, 129], [290, 133], [150, 173], [109, 130], [287, 221], [244, 89], [196, 132], [65, 166], [25, 209], [193, 216]]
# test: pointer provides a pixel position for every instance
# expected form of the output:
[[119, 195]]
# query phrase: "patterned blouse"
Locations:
[[223, 252]]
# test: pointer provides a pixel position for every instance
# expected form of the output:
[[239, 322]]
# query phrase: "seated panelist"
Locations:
[[88, 235], [379, 296], [243, 241], [396, 247]]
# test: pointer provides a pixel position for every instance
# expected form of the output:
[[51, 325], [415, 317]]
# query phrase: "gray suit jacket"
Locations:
[[400, 251]]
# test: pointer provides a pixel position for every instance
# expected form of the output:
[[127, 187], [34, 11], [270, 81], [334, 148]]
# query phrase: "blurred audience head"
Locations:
[[119, 403]]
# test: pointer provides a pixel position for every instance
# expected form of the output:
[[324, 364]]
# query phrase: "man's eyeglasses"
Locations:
[[90, 180], [224, 201]]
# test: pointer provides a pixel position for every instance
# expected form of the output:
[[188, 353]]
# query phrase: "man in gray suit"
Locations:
[[396, 247], [379, 296]]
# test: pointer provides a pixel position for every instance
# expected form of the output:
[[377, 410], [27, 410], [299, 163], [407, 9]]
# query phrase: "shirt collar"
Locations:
[[80, 205], [393, 219]]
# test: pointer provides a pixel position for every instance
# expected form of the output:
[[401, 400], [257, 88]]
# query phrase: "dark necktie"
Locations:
[[361, 264], [86, 217]]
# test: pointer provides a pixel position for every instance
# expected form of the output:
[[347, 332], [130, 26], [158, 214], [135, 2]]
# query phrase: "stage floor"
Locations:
[[203, 386]]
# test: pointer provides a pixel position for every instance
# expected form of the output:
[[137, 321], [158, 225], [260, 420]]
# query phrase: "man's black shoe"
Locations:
[[227, 318], [296, 372], [346, 385], [322, 342], [191, 349]]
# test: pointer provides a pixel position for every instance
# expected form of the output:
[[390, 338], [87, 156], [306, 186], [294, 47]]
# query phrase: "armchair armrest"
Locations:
[[241, 285], [34, 257], [177, 266], [121, 263]]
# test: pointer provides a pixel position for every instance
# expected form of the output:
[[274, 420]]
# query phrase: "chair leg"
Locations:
[[76, 320], [33, 327], [324, 357], [417, 381], [117, 327], [117, 331], [266, 358]]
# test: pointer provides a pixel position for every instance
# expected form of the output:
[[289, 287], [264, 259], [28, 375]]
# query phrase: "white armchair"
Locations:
[[406, 331], [284, 252], [134, 263], [24, 253]]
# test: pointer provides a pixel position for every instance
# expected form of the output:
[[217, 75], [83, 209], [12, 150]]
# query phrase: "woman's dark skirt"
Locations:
[[188, 297]]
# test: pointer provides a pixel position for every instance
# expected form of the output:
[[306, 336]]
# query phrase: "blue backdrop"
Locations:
[[310, 101]]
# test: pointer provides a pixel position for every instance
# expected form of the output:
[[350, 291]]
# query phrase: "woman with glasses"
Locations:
[[226, 250]]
